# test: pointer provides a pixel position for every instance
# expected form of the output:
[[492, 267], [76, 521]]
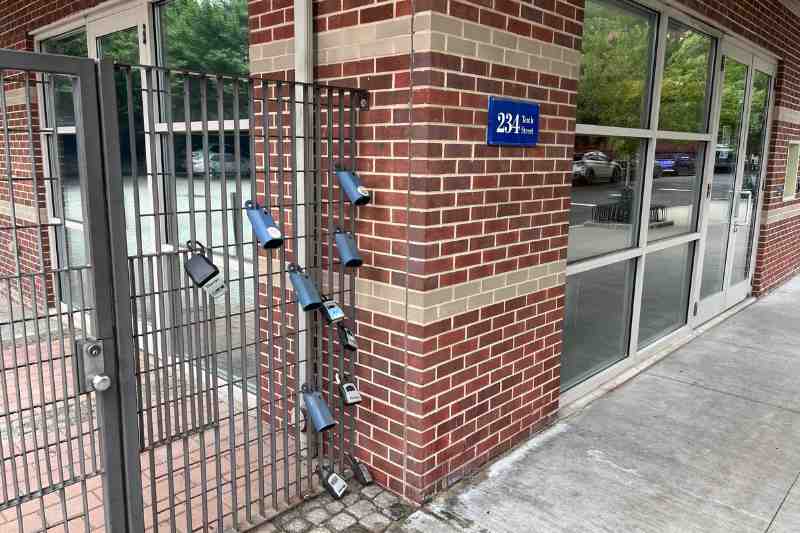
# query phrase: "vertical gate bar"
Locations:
[[55, 174], [298, 348], [341, 211], [126, 354], [265, 89], [36, 328], [159, 349], [354, 98], [156, 307], [200, 331], [176, 303], [190, 196], [143, 323], [318, 245], [17, 270], [311, 229], [73, 335], [15, 474], [281, 185], [251, 98], [6, 415], [329, 453], [184, 295], [211, 352], [111, 320], [15, 239], [239, 237], [169, 323], [152, 327], [87, 325], [223, 183], [37, 333]]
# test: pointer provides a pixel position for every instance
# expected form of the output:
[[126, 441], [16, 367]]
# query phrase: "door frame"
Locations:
[[711, 306]]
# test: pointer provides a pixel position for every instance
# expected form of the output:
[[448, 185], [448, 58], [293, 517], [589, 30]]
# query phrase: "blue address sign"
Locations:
[[512, 122]]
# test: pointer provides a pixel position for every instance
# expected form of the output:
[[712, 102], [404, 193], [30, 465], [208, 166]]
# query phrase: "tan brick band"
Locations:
[[780, 214], [433, 32], [16, 97], [425, 308]]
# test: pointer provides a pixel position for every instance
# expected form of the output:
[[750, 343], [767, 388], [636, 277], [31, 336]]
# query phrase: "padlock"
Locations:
[[349, 392], [331, 311], [264, 227], [304, 289], [333, 482], [203, 273], [351, 185], [348, 251], [318, 411], [347, 338], [360, 470]]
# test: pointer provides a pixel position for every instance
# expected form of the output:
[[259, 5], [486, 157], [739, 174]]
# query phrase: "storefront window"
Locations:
[[597, 321], [665, 300], [606, 195], [617, 64], [616, 231], [686, 85], [677, 180]]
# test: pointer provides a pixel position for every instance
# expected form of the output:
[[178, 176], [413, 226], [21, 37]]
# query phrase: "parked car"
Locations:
[[725, 159], [591, 166], [677, 164], [215, 164]]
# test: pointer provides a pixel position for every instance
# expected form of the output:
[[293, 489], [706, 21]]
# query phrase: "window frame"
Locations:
[[762, 60], [651, 135], [791, 185]]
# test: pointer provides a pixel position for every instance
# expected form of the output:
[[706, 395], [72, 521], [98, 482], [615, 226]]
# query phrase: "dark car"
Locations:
[[676, 164]]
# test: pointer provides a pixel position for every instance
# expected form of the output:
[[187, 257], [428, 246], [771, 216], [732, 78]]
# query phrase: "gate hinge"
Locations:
[[90, 365], [695, 309], [708, 190]]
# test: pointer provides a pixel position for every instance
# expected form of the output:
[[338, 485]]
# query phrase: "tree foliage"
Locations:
[[206, 35]]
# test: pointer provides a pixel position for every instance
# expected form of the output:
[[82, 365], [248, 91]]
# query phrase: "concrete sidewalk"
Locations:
[[706, 440]]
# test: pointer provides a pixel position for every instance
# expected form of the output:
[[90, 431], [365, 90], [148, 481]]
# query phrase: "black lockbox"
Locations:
[[347, 338]]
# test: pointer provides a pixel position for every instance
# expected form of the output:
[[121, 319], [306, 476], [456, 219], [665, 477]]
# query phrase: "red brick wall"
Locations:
[[443, 396]]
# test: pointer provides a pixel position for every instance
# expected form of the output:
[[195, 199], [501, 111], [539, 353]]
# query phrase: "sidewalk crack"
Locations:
[[783, 501]]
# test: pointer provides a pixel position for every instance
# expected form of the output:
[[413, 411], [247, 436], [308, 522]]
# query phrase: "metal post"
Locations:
[[122, 488]]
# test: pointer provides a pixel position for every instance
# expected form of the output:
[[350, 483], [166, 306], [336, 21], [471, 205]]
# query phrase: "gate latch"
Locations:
[[91, 366]]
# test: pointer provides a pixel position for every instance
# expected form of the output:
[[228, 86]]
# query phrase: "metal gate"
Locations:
[[200, 425]]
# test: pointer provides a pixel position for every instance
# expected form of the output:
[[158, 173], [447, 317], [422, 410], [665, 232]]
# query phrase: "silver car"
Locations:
[[591, 166], [215, 164]]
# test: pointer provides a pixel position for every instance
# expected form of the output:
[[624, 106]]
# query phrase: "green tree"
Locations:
[[684, 90], [206, 36], [617, 50]]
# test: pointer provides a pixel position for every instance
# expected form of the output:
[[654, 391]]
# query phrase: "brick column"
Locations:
[[461, 298]]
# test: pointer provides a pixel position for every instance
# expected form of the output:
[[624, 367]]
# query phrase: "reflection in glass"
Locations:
[[60, 104], [720, 206], [677, 180], [606, 195], [665, 296], [597, 322], [121, 46], [748, 197], [203, 36], [686, 87], [617, 63]]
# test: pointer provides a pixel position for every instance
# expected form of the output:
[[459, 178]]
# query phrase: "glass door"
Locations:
[[117, 37], [733, 194]]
